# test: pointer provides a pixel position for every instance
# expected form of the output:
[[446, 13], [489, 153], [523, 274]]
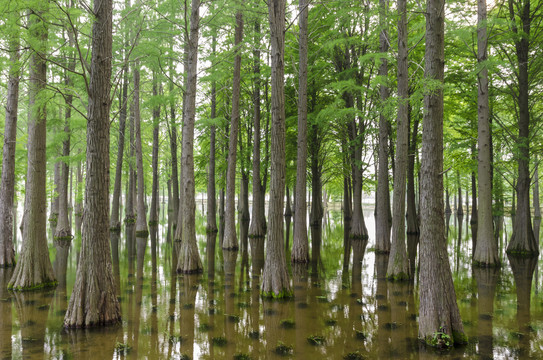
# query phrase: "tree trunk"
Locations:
[[382, 200], [300, 246], [115, 224], [189, 258], [63, 231], [257, 227], [486, 250], [522, 240], [288, 219], [7, 190], [141, 218], [412, 216], [153, 213], [275, 278], [211, 194], [230, 241], [93, 300], [34, 269], [398, 268], [439, 319], [130, 194], [78, 208]]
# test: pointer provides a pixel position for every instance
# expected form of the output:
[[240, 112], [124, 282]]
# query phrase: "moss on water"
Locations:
[[283, 294]]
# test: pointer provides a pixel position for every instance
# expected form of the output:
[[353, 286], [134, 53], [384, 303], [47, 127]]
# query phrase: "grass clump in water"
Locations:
[[360, 335], [174, 339], [315, 340], [204, 327], [219, 341], [242, 356], [330, 322], [233, 318], [287, 324], [355, 355], [283, 349], [122, 348]]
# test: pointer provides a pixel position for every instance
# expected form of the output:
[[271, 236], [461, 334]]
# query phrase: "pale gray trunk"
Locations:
[[7, 190], [33, 269], [275, 278], [398, 266], [230, 241], [94, 300], [300, 246], [189, 258], [438, 310]]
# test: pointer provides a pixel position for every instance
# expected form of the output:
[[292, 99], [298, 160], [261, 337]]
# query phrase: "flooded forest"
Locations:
[[270, 179]]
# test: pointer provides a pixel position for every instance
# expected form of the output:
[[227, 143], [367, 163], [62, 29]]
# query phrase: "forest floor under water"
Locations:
[[221, 315]]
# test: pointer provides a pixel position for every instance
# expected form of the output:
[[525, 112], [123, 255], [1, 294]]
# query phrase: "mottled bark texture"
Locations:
[[230, 241], [141, 218], [34, 268], [486, 250], [275, 278], [439, 317], [7, 189], [189, 258], [522, 240], [382, 196], [300, 246], [412, 216], [257, 228], [94, 301], [398, 268]]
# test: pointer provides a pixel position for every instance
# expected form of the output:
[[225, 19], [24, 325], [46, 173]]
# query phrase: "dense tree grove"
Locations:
[[280, 108]]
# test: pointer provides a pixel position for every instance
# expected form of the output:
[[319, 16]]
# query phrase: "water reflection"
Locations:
[[487, 280], [5, 314], [221, 314]]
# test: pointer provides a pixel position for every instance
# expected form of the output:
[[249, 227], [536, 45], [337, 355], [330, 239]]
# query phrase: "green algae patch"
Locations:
[[283, 294], [34, 287]]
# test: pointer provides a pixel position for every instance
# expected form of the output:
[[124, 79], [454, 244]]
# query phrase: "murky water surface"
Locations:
[[220, 315]]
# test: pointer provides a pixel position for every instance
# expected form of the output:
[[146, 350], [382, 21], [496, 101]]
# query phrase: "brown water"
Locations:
[[220, 315]]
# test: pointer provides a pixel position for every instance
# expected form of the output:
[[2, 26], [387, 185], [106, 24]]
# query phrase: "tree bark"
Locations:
[[94, 300], [189, 258], [153, 213], [230, 241], [141, 218], [382, 201], [115, 224], [412, 216], [130, 194], [257, 228], [438, 312], [486, 250], [522, 240], [275, 279], [398, 268], [211, 193], [78, 207], [7, 190], [63, 231], [300, 246], [34, 268]]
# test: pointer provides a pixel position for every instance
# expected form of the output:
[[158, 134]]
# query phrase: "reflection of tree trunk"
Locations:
[[5, 314], [523, 271], [32, 309], [487, 279], [172, 296], [141, 244], [154, 298], [382, 303], [114, 242], [188, 288], [230, 258]]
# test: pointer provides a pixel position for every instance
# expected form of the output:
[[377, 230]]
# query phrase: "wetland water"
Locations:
[[220, 314]]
